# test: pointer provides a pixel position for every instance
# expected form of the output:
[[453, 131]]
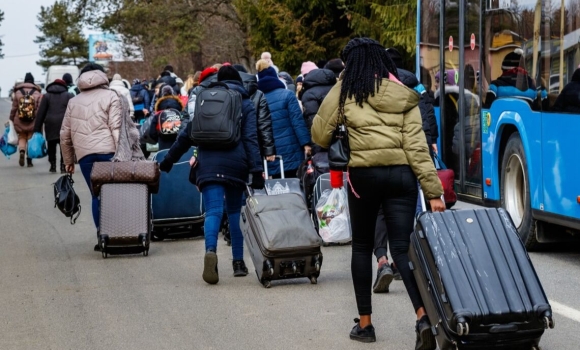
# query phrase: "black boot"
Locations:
[[21, 160], [425, 338], [52, 167], [29, 162]]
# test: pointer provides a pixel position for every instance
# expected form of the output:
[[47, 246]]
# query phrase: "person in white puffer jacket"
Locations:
[[117, 85]]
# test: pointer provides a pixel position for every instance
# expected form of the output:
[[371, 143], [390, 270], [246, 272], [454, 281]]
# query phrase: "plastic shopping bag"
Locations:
[[37, 146], [333, 216], [12, 135], [5, 147]]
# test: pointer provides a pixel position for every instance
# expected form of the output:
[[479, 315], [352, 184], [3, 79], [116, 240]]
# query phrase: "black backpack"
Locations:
[[66, 199], [137, 98], [217, 119]]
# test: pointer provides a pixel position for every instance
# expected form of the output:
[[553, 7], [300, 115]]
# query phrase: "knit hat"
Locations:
[[395, 57], [307, 67], [92, 66], [29, 78], [335, 65], [228, 73], [136, 81], [240, 68], [268, 72], [59, 82], [207, 73], [117, 77], [167, 91], [168, 68], [511, 60], [67, 78], [299, 79]]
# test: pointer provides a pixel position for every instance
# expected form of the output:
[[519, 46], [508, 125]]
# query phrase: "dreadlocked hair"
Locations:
[[366, 64]]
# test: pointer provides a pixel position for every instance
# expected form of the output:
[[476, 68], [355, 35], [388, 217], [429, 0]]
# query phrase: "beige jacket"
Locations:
[[386, 130], [117, 84], [92, 120]]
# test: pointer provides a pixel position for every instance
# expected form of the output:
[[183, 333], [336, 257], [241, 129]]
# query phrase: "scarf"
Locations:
[[129, 147]]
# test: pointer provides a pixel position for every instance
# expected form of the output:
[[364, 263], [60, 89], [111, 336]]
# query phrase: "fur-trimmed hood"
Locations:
[[166, 102]]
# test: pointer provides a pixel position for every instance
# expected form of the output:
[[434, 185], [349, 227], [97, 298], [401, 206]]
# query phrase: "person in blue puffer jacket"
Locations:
[[291, 136], [222, 173]]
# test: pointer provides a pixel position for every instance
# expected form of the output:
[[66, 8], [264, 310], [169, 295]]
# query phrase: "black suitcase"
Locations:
[[477, 281], [281, 238]]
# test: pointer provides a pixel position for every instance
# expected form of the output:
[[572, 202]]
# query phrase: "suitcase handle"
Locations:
[[422, 199], [281, 167]]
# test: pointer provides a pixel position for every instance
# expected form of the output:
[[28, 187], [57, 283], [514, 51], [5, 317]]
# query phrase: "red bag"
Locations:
[[447, 178]]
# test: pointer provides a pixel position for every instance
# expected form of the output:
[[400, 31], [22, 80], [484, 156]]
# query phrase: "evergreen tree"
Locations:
[[1, 43], [62, 41]]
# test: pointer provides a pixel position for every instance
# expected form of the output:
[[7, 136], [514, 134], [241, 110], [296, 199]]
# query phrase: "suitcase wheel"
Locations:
[[267, 283], [104, 250], [145, 246], [462, 328], [549, 322], [313, 280], [317, 267]]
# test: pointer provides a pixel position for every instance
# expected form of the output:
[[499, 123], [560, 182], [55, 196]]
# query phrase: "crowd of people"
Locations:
[[386, 111]]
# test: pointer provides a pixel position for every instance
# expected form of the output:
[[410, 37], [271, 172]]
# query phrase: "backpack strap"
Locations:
[[218, 83]]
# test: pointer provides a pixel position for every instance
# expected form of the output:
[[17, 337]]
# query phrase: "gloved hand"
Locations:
[[257, 181], [166, 165]]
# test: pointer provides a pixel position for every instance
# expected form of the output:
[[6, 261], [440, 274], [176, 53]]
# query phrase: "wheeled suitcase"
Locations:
[[280, 186], [281, 238], [477, 282], [125, 220], [177, 209]]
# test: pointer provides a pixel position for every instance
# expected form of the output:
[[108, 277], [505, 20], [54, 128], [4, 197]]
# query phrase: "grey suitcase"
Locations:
[[125, 219], [280, 237]]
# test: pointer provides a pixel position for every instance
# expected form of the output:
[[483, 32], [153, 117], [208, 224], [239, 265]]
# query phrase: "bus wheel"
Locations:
[[515, 190]]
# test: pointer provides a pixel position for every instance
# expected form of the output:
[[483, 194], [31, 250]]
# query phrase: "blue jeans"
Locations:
[[86, 165], [213, 201]]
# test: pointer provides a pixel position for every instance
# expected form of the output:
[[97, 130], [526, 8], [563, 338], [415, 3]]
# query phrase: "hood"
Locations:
[[27, 86], [137, 87], [207, 81], [237, 86], [407, 78], [117, 83], [250, 82], [319, 77], [56, 88], [92, 79], [117, 77], [170, 97], [169, 81], [393, 97], [287, 78]]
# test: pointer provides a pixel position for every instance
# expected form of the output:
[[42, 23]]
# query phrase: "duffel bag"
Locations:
[[125, 172]]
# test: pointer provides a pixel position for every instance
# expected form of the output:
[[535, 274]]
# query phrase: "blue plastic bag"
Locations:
[[37, 146], [5, 147]]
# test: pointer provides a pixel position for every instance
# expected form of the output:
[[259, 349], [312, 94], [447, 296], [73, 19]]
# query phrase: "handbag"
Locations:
[[339, 150], [447, 178], [125, 172], [66, 199]]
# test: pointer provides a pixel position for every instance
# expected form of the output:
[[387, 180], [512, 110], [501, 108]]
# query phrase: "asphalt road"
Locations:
[[59, 294]]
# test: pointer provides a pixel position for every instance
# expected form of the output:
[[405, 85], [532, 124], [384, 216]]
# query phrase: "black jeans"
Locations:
[[52, 151], [395, 188], [381, 236]]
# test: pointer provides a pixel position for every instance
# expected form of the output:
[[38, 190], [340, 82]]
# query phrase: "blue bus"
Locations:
[[505, 80]]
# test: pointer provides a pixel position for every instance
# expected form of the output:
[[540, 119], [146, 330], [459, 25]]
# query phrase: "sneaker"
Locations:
[[240, 269], [384, 279], [425, 337], [21, 159], [396, 272], [210, 268], [29, 162], [364, 335]]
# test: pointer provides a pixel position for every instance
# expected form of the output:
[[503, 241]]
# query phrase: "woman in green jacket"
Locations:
[[388, 155]]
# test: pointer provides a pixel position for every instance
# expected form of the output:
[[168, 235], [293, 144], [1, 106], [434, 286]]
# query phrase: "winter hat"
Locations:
[[167, 91], [67, 78], [136, 81], [207, 73], [335, 65], [117, 77], [268, 72], [321, 63], [299, 79], [226, 64], [92, 66], [60, 82], [307, 67], [240, 68], [395, 57], [168, 68], [228, 73], [511, 60], [29, 78]]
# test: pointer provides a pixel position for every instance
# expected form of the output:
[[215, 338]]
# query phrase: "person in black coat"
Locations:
[[50, 114], [264, 120], [569, 99], [167, 101], [222, 173]]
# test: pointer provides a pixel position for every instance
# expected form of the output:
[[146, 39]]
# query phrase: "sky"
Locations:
[[18, 30]]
